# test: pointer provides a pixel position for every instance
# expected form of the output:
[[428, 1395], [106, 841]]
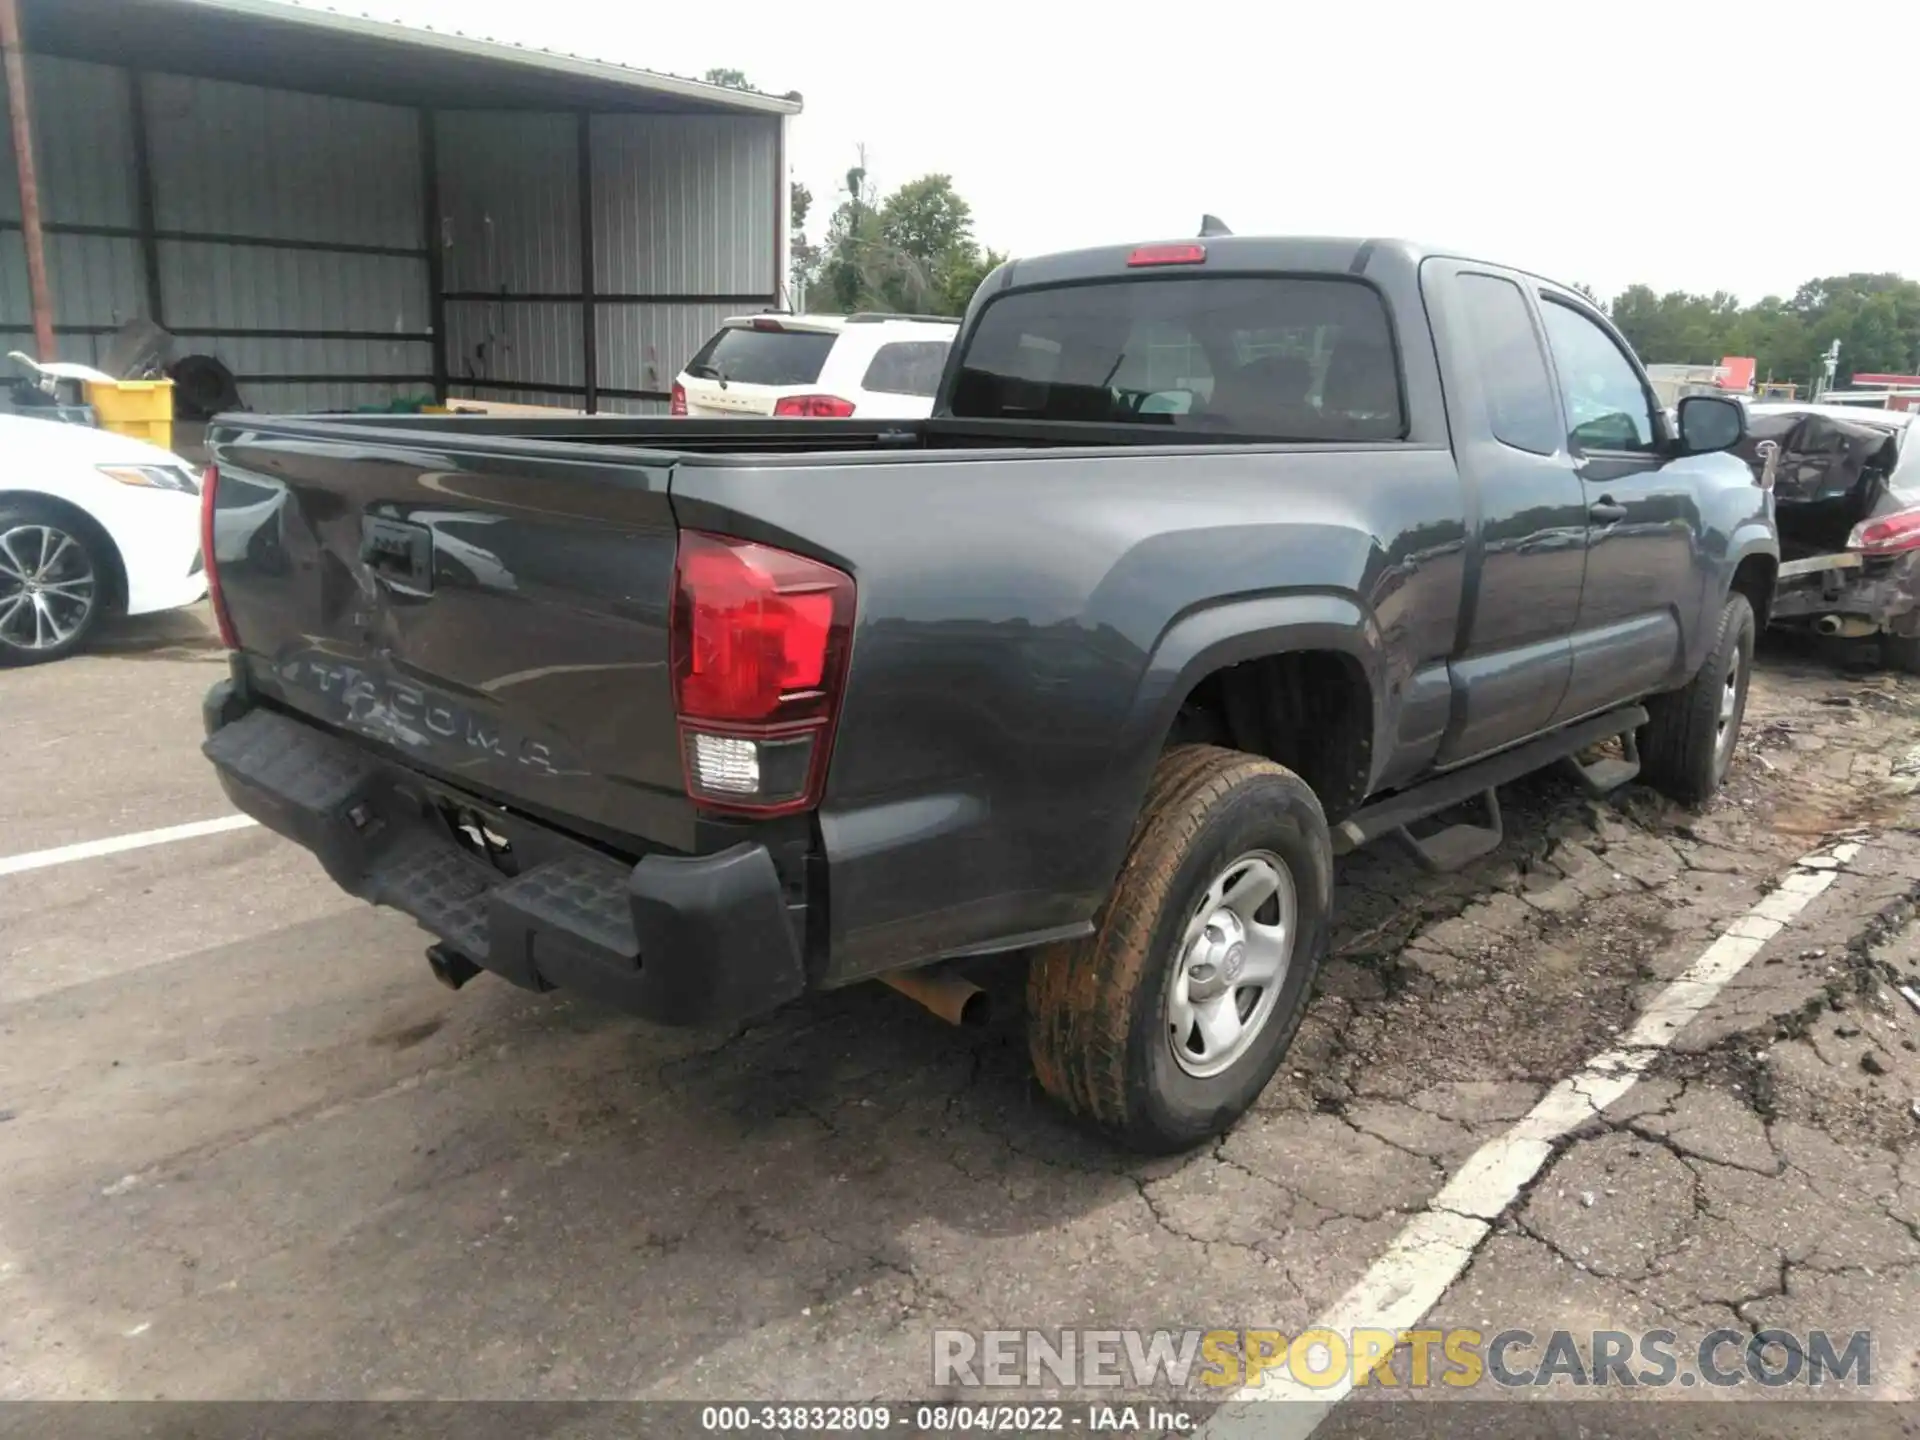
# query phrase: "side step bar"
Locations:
[[1460, 845], [1601, 778]]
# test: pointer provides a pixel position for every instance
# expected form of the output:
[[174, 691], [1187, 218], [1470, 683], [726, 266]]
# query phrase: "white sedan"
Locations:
[[91, 524]]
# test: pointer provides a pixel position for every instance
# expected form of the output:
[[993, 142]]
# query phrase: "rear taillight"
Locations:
[[813, 407], [1887, 535], [677, 403], [760, 645], [209, 486]]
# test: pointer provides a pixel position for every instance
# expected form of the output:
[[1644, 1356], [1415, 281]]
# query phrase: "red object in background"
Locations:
[[1891, 382], [1739, 370]]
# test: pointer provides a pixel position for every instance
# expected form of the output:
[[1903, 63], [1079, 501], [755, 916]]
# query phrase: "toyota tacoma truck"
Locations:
[[1216, 559]]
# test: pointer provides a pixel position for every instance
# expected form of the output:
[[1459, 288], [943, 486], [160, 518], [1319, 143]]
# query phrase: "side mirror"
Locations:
[[1709, 423]]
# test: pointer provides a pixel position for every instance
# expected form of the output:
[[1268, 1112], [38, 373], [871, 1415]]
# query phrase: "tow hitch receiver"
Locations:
[[450, 967]]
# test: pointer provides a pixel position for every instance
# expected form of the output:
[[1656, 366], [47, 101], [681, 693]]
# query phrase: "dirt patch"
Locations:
[[1519, 968], [408, 1036]]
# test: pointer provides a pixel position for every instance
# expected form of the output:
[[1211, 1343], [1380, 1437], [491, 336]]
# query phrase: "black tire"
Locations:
[[1099, 1026], [1900, 652], [1685, 751], [41, 617]]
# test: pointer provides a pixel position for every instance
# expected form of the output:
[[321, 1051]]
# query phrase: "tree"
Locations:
[[913, 251], [731, 79], [967, 278], [806, 256], [1876, 319]]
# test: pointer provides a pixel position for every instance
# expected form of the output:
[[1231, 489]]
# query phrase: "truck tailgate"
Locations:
[[493, 614]]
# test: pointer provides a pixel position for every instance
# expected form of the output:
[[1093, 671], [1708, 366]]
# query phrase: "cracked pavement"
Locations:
[[254, 1151]]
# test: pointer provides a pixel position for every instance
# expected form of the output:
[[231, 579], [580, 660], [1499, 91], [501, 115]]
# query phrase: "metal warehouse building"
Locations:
[[346, 211]]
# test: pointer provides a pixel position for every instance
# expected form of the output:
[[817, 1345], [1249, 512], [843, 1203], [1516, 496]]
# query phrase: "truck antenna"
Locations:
[[1213, 225]]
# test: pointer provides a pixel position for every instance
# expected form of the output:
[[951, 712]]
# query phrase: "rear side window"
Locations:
[[1513, 371], [762, 357], [906, 367], [1260, 356]]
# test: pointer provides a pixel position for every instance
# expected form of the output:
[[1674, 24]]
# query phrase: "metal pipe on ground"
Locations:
[[955, 1000], [18, 114]]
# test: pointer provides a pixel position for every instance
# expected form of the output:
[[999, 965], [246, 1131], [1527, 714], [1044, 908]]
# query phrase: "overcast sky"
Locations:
[[1603, 142]]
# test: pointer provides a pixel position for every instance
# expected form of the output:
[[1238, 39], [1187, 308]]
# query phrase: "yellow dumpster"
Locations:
[[140, 408]]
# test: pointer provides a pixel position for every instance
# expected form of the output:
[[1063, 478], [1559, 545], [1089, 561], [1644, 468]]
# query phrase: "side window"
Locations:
[[906, 367], [1513, 372], [1606, 407]]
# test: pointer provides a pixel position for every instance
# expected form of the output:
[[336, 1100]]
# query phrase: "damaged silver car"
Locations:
[[1847, 500]]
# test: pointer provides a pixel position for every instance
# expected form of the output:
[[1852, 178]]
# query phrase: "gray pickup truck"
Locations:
[[1217, 559]]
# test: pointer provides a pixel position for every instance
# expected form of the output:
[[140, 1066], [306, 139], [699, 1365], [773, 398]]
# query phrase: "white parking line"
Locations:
[[1438, 1243], [92, 849]]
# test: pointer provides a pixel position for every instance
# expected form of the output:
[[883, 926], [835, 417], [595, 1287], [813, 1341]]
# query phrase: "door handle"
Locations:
[[1606, 510]]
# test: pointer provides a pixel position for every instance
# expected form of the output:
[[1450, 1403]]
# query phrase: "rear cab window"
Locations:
[[1522, 408], [1261, 356], [743, 355]]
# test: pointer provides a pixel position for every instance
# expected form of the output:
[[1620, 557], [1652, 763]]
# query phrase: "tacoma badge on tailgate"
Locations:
[[410, 715]]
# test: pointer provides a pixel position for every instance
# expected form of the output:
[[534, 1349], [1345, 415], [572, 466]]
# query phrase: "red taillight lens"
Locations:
[[760, 644], [1888, 535], [209, 485], [762, 322], [677, 404], [813, 407], [1168, 255]]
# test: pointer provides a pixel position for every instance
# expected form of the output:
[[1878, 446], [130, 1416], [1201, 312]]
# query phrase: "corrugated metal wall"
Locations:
[[327, 191], [339, 178], [684, 206], [290, 238], [86, 178], [684, 217], [510, 202]]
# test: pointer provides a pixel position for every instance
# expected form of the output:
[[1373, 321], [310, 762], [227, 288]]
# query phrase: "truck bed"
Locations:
[[1003, 703]]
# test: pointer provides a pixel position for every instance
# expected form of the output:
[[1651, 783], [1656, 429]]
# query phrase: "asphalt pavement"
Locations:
[[253, 1151]]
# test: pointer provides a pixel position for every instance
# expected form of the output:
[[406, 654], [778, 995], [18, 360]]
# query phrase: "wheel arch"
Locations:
[[1223, 666], [1755, 570]]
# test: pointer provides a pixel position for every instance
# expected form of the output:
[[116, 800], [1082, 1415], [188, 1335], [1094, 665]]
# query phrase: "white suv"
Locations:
[[827, 367]]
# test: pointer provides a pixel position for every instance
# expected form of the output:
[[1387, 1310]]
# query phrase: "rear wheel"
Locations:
[[53, 585], [1688, 742], [1165, 1025], [1900, 652]]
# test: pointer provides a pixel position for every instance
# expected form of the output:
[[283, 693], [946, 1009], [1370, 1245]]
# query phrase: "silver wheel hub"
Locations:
[[1233, 962], [1728, 714], [47, 587]]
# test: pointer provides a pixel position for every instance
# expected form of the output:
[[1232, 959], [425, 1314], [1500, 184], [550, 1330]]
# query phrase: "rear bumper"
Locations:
[[679, 940], [1882, 590]]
